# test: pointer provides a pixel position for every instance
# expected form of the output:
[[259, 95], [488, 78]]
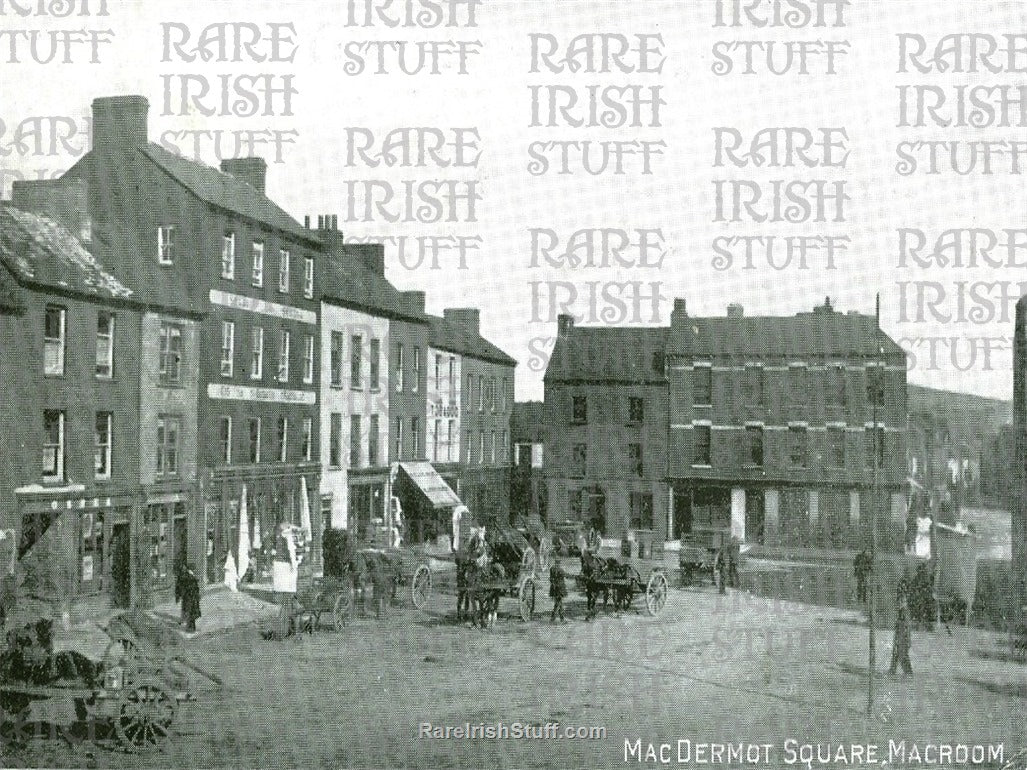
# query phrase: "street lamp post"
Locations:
[[877, 394]]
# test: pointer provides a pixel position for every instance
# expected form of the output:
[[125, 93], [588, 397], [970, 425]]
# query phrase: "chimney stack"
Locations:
[[679, 313], [119, 123], [253, 171], [467, 318], [564, 325], [735, 310], [415, 300]]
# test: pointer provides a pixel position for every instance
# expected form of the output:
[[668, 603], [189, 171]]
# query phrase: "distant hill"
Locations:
[[967, 415]]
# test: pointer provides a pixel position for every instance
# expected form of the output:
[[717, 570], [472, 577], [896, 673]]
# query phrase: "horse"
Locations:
[[486, 599], [592, 567]]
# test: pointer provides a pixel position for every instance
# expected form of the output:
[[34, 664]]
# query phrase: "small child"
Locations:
[[557, 590]]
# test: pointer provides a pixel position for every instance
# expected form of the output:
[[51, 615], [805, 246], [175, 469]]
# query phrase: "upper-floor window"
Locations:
[[374, 363], [282, 438], [875, 385], [702, 385], [171, 352], [399, 368], [797, 446], [168, 429], [579, 409], [415, 437], [836, 446], [503, 394], [227, 348], [798, 384], [492, 394], [102, 445], [284, 266], [255, 435], [53, 444], [104, 344], [308, 359], [308, 277], [225, 440], [470, 389], [356, 345], [438, 371], [636, 409], [416, 383], [398, 438], [283, 355], [257, 353], [335, 440], [308, 438], [481, 448], [835, 395], [754, 450], [372, 440], [701, 445], [258, 263], [354, 441], [335, 364], [452, 376], [54, 335], [635, 465], [165, 244], [579, 459], [492, 448], [752, 385], [228, 256]]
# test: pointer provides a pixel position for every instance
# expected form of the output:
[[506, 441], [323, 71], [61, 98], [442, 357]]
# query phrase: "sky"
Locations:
[[493, 184]]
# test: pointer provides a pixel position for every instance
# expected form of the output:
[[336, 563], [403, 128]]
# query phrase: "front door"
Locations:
[[180, 540], [121, 565]]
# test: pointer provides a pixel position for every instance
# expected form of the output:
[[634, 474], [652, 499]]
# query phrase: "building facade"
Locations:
[[84, 452], [213, 236], [778, 431], [606, 430], [528, 497]]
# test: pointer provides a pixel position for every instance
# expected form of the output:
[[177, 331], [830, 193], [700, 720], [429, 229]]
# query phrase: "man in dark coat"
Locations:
[[901, 643], [557, 590], [189, 591], [720, 568]]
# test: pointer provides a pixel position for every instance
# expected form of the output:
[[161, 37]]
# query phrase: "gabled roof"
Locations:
[[446, 335], [225, 191], [347, 282], [802, 336], [616, 354], [40, 252]]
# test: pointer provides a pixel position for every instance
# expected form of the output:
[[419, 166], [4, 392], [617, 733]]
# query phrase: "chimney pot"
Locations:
[[735, 310], [253, 171], [306, 221], [416, 300], [680, 306], [564, 324]]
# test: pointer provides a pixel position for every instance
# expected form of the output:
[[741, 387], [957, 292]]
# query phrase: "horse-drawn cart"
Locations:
[[129, 696], [621, 582]]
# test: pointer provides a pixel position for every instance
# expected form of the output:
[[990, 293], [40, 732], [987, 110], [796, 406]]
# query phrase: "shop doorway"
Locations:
[[121, 565]]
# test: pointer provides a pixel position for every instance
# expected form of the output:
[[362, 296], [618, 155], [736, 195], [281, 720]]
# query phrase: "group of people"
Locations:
[[725, 566]]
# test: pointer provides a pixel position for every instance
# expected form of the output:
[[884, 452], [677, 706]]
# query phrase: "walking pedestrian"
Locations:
[[720, 569], [902, 641], [380, 586], [557, 590], [190, 594], [734, 556]]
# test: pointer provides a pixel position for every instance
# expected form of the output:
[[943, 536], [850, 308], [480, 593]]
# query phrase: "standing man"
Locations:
[[901, 643], [557, 590], [190, 593], [720, 569]]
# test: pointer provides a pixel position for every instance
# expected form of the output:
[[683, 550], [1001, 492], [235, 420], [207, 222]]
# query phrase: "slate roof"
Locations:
[[347, 282], [225, 191], [446, 335], [41, 252], [608, 354], [802, 336]]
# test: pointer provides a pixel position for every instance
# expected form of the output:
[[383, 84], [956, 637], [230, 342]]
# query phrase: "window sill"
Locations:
[[53, 375], [172, 385], [105, 377], [356, 388], [163, 263], [702, 406], [701, 465]]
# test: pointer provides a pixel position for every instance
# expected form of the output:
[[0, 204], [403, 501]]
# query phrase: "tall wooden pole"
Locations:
[[872, 653]]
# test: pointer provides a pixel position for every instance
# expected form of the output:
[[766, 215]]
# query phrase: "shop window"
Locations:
[[91, 551], [641, 510]]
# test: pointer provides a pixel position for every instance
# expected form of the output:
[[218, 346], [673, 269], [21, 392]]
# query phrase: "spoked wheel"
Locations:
[[656, 593], [420, 588], [526, 599], [529, 562], [343, 608], [144, 720]]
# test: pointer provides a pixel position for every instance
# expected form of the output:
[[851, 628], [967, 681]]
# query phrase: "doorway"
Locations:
[[121, 565]]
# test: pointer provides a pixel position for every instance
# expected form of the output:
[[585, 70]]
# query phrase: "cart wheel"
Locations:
[[656, 593], [529, 562], [342, 608], [420, 589], [526, 598], [144, 719]]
